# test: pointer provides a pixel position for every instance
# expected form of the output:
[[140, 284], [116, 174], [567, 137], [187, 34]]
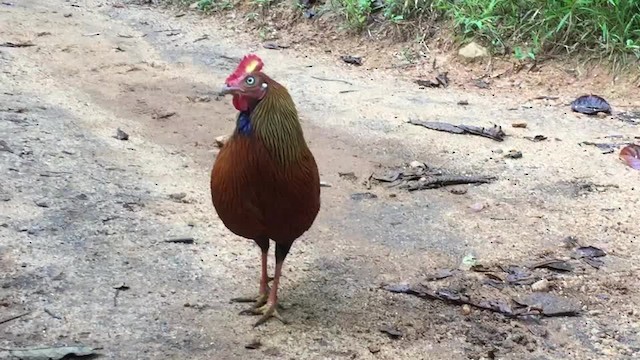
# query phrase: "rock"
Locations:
[[374, 349], [5, 147], [253, 345], [513, 154], [34, 230], [416, 164], [221, 140], [473, 51], [476, 207], [541, 285], [458, 190], [519, 124], [42, 202], [121, 135], [178, 196], [466, 309]]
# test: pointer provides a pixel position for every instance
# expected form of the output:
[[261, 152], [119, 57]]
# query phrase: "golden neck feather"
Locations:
[[275, 121]]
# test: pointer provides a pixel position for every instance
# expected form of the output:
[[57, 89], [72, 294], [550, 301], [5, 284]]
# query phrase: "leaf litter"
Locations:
[[514, 291], [590, 105], [418, 176], [590, 255], [392, 332], [441, 80], [350, 59], [495, 132]]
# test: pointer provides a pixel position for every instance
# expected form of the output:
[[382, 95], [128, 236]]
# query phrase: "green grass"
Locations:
[[210, 6], [527, 29]]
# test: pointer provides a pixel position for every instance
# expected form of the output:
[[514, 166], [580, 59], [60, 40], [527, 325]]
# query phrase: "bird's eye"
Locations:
[[250, 80]]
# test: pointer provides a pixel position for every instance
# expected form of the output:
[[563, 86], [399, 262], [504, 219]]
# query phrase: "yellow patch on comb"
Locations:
[[250, 63], [252, 66]]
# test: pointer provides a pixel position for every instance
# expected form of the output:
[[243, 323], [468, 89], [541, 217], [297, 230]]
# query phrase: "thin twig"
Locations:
[[17, 45], [14, 317], [52, 314], [450, 180], [545, 97], [334, 80], [185, 240]]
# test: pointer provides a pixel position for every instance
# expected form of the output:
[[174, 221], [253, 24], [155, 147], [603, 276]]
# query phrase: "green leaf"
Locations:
[[468, 262], [53, 353]]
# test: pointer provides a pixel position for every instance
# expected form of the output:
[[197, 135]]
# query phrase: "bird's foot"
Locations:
[[267, 311], [258, 300]]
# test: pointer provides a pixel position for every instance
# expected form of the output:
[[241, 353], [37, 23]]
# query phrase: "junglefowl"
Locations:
[[265, 183]]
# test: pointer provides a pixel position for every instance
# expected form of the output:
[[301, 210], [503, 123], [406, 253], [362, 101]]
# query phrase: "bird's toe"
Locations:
[[259, 300], [268, 311]]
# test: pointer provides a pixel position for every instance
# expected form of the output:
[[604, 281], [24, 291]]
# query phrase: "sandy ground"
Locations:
[[83, 213]]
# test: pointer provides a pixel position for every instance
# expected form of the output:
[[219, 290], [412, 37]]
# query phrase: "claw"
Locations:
[[244, 299], [267, 311], [258, 300]]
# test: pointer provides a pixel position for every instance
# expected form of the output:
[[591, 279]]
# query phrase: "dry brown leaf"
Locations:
[[630, 154]]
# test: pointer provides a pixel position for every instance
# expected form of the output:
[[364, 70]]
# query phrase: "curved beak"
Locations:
[[227, 89]]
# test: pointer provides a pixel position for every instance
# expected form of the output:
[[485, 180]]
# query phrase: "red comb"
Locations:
[[250, 63]]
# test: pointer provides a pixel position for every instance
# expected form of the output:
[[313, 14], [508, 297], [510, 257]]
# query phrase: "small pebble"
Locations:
[[416, 164], [540, 286], [178, 196], [221, 140], [253, 345], [519, 124], [513, 154], [466, 309], [5, 147], [42, 203], [121, 135], [476, 207]]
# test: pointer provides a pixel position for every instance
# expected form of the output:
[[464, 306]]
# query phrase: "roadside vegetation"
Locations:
[[606, 30]]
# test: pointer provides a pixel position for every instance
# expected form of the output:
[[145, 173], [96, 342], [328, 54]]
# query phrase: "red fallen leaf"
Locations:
[[631, 155]]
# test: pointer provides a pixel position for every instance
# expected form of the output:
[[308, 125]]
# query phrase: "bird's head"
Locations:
[[247, 84]]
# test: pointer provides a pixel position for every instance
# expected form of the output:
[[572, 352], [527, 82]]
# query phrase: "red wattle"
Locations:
[[240, 103]]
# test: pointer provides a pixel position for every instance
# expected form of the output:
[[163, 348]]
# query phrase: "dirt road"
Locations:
[[84, 216]]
